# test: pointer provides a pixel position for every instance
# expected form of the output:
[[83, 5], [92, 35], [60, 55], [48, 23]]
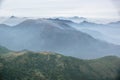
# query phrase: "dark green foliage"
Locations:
[[28, 65], [118, 75]]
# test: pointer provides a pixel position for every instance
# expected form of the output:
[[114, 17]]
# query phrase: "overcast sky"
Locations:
[[52, 8]]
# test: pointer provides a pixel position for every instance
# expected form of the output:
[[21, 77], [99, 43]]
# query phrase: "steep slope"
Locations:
[[28, 65], [108, 32], [56, 36]]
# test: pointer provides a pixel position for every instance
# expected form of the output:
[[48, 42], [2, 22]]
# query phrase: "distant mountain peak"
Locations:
[[13, 17], [85, 22], [77, 17]]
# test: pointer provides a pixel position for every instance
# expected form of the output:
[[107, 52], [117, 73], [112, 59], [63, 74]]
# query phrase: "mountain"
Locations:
[[107, 32], [90, 24], [27, 65], [114, 24], [74, 19], [12, 21], [3, 50], [85, 23], [55, 36]]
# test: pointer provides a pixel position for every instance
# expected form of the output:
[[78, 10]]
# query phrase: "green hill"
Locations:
[[3, 50], [27, 65]]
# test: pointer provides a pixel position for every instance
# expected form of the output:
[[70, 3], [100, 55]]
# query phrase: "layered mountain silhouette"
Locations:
[[54, 35], [74, 19], [106, 32]]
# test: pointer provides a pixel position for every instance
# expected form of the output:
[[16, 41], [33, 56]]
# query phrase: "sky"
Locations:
[[67, 8]]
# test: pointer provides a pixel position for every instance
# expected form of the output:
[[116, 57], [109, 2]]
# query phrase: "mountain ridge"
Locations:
[[27, 65], [54, 36]]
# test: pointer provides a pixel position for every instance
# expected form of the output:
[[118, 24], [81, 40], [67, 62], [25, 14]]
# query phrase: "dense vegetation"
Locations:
[[27, 65]]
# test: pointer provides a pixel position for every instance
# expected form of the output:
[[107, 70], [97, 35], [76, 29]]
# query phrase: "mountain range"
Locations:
[[88, 51], [74, 19], [54, 35]]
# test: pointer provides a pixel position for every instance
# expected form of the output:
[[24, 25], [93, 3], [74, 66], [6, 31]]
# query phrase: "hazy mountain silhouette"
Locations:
[[56, 36]]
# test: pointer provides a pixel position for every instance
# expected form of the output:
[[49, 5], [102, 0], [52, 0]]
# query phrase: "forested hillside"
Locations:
[[28, 65]]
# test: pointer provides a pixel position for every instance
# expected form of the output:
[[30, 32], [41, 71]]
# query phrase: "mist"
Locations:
[[117, 5], [1, 2]]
